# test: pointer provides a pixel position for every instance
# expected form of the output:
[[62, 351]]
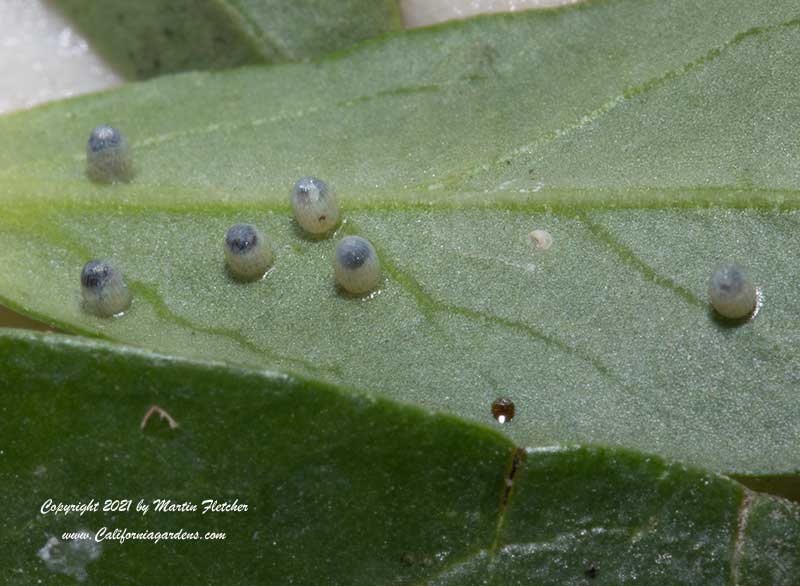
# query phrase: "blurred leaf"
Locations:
[[340, 488], [147, 38]]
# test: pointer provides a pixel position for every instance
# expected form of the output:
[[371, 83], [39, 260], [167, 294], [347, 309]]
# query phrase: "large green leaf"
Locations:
[[341, 488], [654, 139], [152, 37]]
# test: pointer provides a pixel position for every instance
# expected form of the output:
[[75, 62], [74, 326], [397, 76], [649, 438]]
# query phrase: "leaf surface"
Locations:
[[655, 140], [351, 487]]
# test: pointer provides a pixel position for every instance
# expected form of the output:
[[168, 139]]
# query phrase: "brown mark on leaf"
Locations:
[[161, 413]]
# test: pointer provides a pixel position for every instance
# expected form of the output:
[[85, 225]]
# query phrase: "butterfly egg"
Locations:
[[104, 290], [356, 265], [247, 253], [732, 292], [314, 206], [541, 238], [108, 157]]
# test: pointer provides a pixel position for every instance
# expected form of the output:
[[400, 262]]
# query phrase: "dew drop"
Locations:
[[503, 410], [108, 156]]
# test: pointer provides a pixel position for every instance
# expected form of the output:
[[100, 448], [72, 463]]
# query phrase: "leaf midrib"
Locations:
[[450, 179], [258, 37], [564, 200]]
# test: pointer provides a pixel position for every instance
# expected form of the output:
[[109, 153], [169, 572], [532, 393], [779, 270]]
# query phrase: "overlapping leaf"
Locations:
[[340, 488], [152, 37]]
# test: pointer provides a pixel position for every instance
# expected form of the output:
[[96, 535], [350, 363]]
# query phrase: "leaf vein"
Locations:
[[150, 294], [429, 305], [627, 94], [254, 31], [628, 257]]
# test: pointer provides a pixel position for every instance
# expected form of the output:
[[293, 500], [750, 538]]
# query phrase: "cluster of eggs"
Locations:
[[248, 254]]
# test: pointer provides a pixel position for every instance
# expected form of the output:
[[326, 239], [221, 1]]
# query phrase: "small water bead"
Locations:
[[105, 292], [732, 293], [503, 410], [314, 206], [356, 265], [108, 155], [247, 253]]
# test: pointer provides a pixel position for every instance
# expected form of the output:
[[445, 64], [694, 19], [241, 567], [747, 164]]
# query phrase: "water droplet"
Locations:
[[503, 410]]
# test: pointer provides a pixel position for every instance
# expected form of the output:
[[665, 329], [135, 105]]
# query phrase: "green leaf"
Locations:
[[341, 487], [152, 37], [648, 137]]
